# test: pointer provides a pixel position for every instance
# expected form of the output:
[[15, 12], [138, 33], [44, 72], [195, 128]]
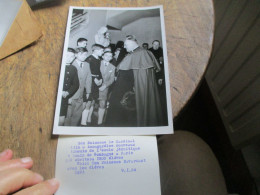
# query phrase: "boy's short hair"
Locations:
[[81, 50], [131, 37], [81, 40], [156, 41], [107, 52], [71, 50], [97, 47]]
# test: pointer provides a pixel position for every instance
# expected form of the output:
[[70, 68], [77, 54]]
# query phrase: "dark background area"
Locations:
[[201, 117], [230, 93]]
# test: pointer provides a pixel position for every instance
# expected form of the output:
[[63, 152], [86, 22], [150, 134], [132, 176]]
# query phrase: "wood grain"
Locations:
[[29, 78]]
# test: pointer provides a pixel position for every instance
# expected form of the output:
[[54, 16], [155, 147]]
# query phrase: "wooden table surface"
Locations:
[[29, 78]]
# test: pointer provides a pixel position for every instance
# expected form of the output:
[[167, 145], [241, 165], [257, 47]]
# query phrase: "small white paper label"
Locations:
[[116, 165]]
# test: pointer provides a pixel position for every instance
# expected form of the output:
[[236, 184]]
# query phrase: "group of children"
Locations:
[[86, 84]]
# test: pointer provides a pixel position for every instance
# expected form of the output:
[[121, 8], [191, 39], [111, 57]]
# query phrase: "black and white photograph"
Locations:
[[114, 73]]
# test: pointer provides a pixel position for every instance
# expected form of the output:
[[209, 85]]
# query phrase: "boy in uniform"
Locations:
[[94, 62], [70, 84], [108, 74], [85, 81]]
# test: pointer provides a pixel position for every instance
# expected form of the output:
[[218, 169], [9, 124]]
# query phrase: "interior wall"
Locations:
[[145, 29], [97, 19]]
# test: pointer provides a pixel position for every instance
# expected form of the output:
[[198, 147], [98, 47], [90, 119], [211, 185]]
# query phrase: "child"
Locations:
[[94, 63], [82, 42], [85, 81], [70, 84], [108, 74]]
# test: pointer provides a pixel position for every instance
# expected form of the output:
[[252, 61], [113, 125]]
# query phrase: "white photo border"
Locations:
[[71, 130]]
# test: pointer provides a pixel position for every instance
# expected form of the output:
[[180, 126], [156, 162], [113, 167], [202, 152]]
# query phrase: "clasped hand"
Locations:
[[98, 82]]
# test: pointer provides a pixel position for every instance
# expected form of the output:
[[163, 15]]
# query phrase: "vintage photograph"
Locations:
[[114, 74]]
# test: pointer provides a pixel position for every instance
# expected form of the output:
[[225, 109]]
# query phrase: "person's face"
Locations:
[[107, 49], [83, 44], [100, 52], [145, 46], [156, 45], [70, 57], [82, 56], [128, 45], [107, 57]]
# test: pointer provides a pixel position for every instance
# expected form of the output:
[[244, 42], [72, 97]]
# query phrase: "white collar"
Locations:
[[79, 62], [134, 48], [95, 56]]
